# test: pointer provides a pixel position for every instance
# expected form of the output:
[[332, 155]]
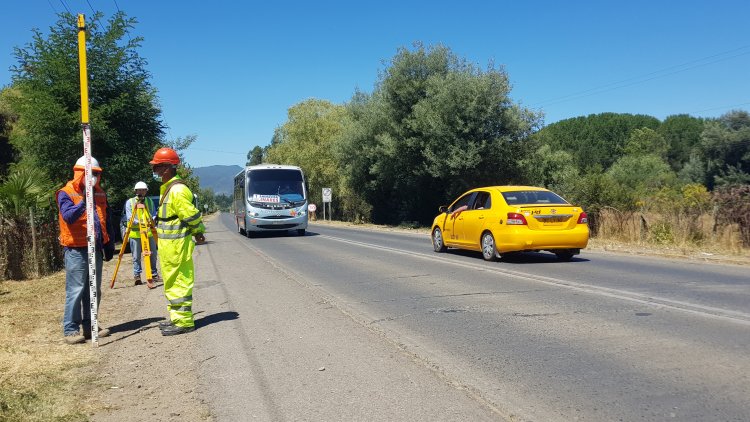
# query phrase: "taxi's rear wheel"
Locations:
[[437, 240], [489, 252], [564, 255]]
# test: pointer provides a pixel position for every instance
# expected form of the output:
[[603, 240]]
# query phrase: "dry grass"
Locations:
[[672, 234], [41, 377]]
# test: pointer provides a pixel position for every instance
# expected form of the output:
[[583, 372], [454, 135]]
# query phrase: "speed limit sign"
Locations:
[[327, 194]]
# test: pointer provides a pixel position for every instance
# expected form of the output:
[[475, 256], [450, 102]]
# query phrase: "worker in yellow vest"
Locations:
[[177, 219], [141, 189]]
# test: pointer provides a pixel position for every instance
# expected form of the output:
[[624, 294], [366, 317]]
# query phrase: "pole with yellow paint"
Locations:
[[90, 233]]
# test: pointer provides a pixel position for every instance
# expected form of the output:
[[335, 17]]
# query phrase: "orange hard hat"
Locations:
[[165, 156]]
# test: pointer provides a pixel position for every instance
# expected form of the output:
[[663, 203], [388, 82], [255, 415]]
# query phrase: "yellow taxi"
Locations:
[[501, 219]]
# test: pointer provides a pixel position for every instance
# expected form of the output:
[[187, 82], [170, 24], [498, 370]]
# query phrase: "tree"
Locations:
[[124, 113], [725, 146], [23, 189], [255, 156], [639, 176], [683, 134], [307, 139], [7, 118], [596, 139], [434, 126], [646, 141], [555, 170]]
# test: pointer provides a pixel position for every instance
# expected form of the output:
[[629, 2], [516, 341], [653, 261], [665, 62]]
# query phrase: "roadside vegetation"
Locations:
[[41, 378], [433, 126]]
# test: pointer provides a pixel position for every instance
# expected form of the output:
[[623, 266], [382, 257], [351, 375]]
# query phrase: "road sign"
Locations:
[[327, 194]]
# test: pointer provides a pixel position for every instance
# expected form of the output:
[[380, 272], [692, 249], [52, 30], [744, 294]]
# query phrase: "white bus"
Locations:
[[270, 197]]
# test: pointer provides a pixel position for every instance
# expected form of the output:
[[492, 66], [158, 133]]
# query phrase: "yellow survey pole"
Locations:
[[84, 74], [90, 233]]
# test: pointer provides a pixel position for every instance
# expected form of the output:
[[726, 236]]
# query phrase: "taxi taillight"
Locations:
[[516, 219], [583, 218]]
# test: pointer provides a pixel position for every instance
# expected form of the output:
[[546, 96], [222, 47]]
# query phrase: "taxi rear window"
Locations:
[[533, 197]]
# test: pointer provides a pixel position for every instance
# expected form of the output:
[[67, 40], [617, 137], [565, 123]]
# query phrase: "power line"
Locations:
[[92, 9], [719, 108], [645, 77], [65, 6], [53, 7]]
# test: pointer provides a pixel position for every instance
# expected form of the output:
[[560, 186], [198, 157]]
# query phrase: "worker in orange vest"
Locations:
[[71, 202]]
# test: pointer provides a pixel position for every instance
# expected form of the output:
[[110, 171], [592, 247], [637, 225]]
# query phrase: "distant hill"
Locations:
[[218, 178]]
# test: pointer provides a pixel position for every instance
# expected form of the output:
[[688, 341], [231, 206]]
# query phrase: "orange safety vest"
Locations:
[[74, 235]]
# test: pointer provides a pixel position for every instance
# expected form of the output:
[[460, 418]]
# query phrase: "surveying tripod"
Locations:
[[145, 224]]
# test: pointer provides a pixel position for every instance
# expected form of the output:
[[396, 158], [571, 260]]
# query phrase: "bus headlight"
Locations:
[[252, 213]]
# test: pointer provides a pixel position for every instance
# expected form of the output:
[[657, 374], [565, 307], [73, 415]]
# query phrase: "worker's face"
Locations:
[[160, 170], [141, 192], [95, 176]]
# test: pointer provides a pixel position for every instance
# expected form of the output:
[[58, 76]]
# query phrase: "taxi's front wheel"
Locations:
[[489, 252], [437, 240]]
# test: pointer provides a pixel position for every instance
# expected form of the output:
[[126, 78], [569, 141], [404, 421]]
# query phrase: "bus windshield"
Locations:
[[275, 185]]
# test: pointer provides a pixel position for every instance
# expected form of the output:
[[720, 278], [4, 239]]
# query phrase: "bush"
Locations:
[[733, 207]]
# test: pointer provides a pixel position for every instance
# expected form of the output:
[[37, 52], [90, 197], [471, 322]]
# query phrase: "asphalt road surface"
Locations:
[[352, 324]]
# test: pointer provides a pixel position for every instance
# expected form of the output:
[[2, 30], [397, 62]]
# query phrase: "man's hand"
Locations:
[[200, 238]]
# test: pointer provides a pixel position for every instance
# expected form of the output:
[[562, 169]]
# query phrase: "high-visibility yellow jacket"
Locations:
[[177, 220], [177, 217]]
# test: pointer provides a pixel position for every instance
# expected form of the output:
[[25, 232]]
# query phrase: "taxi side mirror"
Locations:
[[443, 209]]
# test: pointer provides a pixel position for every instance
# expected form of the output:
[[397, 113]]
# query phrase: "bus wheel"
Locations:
[[247, 233]]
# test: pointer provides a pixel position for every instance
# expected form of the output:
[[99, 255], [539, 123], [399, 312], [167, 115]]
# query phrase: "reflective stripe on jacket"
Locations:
[[177, 217]]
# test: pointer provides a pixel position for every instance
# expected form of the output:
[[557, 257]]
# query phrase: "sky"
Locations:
[[228, 71]]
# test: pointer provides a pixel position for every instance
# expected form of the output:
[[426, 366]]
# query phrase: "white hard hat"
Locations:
[[140, 185], [81, 164]]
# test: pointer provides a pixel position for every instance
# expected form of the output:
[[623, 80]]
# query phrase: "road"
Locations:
[[603, 337]]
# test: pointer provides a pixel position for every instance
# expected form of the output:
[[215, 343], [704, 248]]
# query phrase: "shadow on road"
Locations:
[[217, 317], [520, 258], [134, 325]]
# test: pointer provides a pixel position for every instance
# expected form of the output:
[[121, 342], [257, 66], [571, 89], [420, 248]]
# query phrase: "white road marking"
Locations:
[[655, 301]]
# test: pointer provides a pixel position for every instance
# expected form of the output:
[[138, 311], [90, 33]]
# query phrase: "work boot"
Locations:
[[103, 332], [174, 330], [74, 338], [138, 281], [165, 324]]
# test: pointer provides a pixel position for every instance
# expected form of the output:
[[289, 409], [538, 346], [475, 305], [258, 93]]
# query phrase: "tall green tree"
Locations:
[[646, 141], [725, 146], [307, 140], [683, 134], [255, 156], [7, 118], [125, 117], [596, 139], [555, 170], [434, 126], [639, 176]]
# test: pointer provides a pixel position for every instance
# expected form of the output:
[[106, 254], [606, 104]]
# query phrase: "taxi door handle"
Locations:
[[481, 217]]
